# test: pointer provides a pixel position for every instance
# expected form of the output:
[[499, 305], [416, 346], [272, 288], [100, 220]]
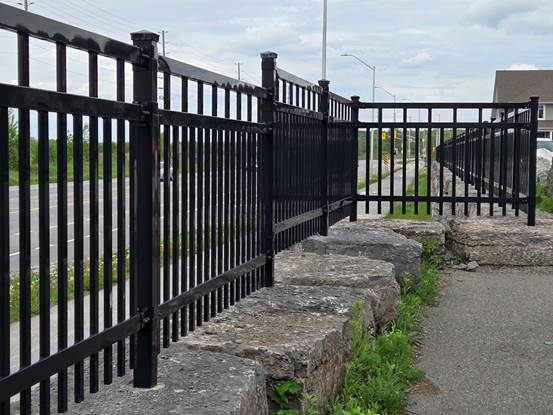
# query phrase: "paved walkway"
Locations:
[[485, 349]]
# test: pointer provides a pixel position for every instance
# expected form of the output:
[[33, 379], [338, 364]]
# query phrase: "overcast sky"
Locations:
[[424, 50]]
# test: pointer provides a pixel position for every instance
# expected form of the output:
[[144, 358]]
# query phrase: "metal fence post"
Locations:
[[324, 108], [534, 103], [145, 165], [267, 116], [355, 131]]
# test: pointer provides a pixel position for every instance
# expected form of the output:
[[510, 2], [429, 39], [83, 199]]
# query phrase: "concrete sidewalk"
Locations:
[[485, 348]]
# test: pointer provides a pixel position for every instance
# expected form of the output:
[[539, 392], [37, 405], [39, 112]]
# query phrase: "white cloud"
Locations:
[[522, 67], [421, 58]]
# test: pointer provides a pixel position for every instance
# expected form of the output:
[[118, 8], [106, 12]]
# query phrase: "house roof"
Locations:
[[518, 86]]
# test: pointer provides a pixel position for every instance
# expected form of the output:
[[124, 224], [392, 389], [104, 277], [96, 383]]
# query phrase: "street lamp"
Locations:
[[394, 96], [325, 28], [373, 69]]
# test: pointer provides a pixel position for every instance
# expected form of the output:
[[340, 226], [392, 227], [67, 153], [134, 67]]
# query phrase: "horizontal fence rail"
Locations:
[[479, 161], [151, 217]]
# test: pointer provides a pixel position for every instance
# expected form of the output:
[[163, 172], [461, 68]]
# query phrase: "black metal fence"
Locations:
[[494, 162], [499, 160], [269, 167]]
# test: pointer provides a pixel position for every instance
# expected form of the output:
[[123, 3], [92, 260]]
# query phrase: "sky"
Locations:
[[424, 50]]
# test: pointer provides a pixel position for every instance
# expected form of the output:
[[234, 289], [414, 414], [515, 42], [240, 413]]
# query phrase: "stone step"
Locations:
[[503, 241], [418, 230], [363, 240], [190, 382], [300, 333], [375, 276]]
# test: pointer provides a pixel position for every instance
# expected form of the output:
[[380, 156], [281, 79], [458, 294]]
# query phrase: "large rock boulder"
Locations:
[[381, 244], [300, 333], [550, 182], [503, 241], [543, 164], [418, 230], [376, 277], [191, 382]]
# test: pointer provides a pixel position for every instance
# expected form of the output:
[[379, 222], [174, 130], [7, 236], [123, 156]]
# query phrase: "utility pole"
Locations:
[[26, 5], [238, 64], [163, 33], [325, 28]]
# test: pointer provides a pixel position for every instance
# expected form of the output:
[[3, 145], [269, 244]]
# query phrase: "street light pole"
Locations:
[[373, 69], [325, 28]]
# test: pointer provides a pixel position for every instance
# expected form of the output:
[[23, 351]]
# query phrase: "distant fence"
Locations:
[[497, 158], [235, 191]]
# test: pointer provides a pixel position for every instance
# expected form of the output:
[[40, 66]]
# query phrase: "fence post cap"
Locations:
[[324, 83], [144, 35], [355, 98], [269, 55]]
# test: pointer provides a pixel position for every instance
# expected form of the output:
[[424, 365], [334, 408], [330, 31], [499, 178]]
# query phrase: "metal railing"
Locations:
[[240, 182], [497, 158]]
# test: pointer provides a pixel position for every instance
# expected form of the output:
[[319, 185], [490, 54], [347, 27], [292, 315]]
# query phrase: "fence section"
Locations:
[[494, 161], [174, 210]]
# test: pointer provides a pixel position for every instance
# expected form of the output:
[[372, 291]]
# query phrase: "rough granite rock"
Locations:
[[419, 230], [503, 241], [191, 382], [375, 276], [301, 333], [382, 244]]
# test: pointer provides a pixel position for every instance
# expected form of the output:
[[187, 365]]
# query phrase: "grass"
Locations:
[[543, 200], [15, 293], [379, 372], [410, 206]]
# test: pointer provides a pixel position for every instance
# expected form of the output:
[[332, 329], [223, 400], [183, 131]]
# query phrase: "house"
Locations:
[[519, 86]]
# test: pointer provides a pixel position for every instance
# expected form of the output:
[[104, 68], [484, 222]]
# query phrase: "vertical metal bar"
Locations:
[[220, 225], [368, 166], [192, 153], [534, 102], [429, 162], [237, 160], [185, 206], [324, 172], [354, 178], [417, 162], [177, 236], [61, 86], [268, 76], [379, 175], [44, 247], [392, 166], [24, 223], [516, 163], [501, 163], [200, 199], [504, 149], [145, 139], [226, 205], [214, 228], [79, 233], [166, 205], [5, 337], [207, 223], [491, 179], [454, 145], [94, 225], [404, 166], [442, 162], [121, 221], [108, 246], [248, 169], [479, 167], [466, 168]]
